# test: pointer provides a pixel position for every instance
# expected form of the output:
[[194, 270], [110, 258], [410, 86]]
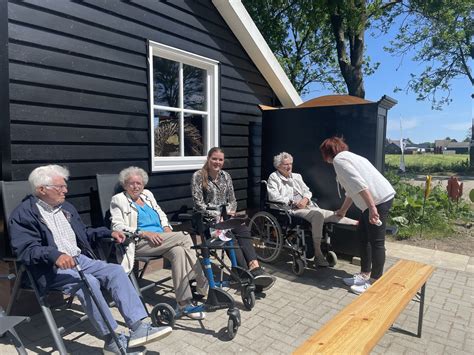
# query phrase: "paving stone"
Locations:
[[291, 312]]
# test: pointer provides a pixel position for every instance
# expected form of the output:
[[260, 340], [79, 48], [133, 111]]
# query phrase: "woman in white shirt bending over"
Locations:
[[368, 189]]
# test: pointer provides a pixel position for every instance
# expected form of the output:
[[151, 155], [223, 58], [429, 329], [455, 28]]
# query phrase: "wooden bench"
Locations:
[[359, 326]]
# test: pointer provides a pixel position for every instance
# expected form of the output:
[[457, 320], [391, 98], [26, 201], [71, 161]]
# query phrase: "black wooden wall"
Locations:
[[78, 92]]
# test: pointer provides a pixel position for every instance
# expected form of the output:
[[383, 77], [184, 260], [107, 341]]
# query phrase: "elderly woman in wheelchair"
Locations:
[[288, 189], [135, 210]]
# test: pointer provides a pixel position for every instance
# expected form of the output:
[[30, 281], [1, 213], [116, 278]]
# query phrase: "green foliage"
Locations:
[[440, 32], [430, 163], [302, 34], [439, 211]]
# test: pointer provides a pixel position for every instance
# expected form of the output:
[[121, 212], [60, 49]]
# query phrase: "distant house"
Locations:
[[392, 146], [458, 147], [442, 143]]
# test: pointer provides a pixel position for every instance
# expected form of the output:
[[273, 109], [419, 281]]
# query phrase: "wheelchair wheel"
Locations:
[[331, 258], [163, 315], [298, 267], [248, 299], [232, 327], [268, 236]]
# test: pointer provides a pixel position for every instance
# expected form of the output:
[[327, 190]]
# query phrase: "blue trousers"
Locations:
[[109, 276]]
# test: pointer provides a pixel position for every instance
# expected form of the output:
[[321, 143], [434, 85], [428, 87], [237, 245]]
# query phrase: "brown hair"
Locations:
[[204, 169], [332, 147]]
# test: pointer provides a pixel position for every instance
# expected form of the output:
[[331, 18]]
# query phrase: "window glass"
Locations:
[[167, 133], [194, 88], [194, 140], [165, 82]]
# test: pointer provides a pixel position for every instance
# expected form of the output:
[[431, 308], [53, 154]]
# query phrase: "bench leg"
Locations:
[[422, 307]]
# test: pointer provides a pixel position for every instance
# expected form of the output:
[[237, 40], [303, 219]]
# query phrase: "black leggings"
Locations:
[[372, 241], [246, 253]]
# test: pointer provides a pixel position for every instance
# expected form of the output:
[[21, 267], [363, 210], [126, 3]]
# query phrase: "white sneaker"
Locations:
[[358, 289], [357, 280], [192, 312]]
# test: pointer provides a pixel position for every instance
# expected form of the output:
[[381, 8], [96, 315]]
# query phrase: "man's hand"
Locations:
[[340, 212], [167, 229], [65, 262], [118, 236], [154, 238]]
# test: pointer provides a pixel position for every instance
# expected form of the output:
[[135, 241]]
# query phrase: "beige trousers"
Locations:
[[317, 217], [176, 248]]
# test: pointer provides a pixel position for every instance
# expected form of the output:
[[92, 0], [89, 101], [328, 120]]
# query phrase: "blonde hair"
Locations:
[[205, 167]]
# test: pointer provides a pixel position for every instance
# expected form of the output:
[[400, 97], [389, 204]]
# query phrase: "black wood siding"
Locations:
[[79, 97]]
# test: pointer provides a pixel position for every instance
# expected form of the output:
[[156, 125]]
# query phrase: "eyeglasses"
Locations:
[[58, 188]]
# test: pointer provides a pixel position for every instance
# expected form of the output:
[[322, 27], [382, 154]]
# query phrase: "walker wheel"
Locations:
[[298, 267], [331, 258], [163, 315], [232, 327], [248, 298]]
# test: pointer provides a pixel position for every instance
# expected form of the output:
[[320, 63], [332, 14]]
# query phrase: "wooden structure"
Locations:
[[359, 326]]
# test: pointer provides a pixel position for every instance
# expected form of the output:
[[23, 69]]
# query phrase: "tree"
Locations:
[[440, 32], [318, 40], [323, 41]]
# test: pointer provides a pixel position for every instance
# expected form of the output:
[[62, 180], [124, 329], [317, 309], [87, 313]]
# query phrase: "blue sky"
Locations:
[[420, 123]]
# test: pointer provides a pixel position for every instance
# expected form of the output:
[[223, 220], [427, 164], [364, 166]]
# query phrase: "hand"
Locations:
[[341, 213], [373, 215], [118, 236], [167, 229], [154, 238], [65, 262], [302, 203], [231, 213]]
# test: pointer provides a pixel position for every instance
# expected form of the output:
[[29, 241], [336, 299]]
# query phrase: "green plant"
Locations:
[[440, 212]]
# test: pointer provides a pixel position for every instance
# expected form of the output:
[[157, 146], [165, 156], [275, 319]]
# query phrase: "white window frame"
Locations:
[[212, 123]]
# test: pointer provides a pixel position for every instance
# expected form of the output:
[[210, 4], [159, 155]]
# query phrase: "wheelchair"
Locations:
[[275, 229]]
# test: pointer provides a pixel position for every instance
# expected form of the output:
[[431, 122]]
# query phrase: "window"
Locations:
[[184, 108]]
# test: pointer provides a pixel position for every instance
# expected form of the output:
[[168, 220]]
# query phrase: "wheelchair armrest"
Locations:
[[175, 223], [279, 207]]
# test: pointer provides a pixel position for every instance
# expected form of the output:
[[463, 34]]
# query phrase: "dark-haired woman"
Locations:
[[368, 189], [211, 188]]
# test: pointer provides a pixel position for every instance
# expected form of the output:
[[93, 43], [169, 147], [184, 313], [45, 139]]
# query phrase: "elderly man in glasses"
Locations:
[[48, 236]]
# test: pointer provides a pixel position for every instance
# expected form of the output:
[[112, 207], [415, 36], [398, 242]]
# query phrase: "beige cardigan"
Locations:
[[124, 217], [124, 214]]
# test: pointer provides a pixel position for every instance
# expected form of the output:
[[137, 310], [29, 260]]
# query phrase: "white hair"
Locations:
[[43, 175], [126, 173], [278, 159]]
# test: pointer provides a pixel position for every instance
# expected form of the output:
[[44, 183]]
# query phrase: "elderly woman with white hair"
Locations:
[[136, 210], [286, 187]]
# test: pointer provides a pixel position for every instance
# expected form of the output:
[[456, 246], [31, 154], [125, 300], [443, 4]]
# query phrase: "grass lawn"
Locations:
[[430, 163]]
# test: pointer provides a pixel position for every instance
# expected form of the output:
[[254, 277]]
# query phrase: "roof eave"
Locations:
[[243, 27]]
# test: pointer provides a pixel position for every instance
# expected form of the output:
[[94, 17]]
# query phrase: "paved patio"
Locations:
[[292, 311]]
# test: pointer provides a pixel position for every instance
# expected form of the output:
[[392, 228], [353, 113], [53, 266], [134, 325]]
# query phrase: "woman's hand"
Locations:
[[167, 229], [302, 203], [153, 238], [373, 215], [340, 213]]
